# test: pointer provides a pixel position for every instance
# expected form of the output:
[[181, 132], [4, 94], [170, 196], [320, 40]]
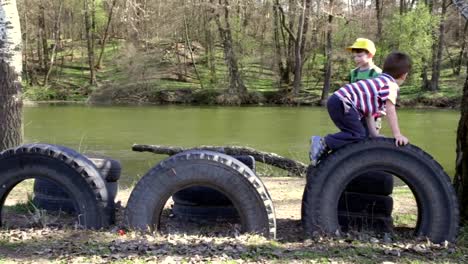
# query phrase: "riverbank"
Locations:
[[53, 244], [145, 96]]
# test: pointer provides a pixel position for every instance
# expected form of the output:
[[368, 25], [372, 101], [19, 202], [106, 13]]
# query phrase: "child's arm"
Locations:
[[371, 125], [393, 122]]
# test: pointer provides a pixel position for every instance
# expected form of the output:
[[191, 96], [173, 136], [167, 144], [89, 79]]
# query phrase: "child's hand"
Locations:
[[401, 140]]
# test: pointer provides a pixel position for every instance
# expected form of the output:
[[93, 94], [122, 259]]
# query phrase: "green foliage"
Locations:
[[39, 93], [411, 33], [101, 15]]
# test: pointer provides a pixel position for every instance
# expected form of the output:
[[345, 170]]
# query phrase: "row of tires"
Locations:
[[327, 189]]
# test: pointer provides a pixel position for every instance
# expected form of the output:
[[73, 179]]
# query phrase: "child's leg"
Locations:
[[351, 127]]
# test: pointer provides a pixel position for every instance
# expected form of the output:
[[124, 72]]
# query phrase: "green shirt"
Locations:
[[357, 75]]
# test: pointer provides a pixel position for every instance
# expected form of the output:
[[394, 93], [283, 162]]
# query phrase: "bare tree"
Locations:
[[106, 34], [378, 9], [11, 133], [236, 84], [42, 40], [56, 42], [89, 22], [300, 41], [434, 85], [328, 52], [464, 43]]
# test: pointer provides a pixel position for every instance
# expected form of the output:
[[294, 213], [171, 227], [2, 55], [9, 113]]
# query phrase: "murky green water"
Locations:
[[112, 130]]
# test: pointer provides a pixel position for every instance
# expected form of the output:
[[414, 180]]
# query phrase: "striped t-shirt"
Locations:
[[369, 96]]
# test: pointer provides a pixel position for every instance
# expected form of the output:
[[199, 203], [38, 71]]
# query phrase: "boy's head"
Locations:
[[397, 64], [363, 51]]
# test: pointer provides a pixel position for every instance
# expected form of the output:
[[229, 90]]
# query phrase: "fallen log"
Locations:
[[294, 167]]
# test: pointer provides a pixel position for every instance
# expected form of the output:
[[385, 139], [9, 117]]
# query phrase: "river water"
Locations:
[[111, 130]]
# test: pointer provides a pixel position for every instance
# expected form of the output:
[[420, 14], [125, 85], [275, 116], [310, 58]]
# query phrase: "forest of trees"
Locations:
[[299, 44]]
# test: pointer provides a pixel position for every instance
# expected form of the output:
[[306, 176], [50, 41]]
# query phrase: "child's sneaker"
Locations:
[[317, 149]]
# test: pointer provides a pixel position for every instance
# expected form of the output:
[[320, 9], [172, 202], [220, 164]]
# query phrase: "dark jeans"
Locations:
[[352, 129]]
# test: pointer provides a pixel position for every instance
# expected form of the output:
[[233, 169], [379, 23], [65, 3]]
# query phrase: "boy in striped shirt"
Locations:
[[352, 102]]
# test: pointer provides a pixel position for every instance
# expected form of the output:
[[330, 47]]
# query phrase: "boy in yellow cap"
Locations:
[[363, 51]]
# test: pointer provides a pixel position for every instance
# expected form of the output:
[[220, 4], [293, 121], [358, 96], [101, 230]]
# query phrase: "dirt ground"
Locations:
[[27, 240]]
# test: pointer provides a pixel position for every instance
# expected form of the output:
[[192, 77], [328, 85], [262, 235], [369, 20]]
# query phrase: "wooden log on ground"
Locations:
[[294, 167]]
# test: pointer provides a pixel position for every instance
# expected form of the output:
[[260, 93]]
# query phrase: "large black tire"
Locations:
[[49, 196], [438, 211], [202, 168], [203, 196], [79, 180], [204, 213], [200, 195], [361, 222], [375, 182], [248, 160], [110, 169], [369, 204]]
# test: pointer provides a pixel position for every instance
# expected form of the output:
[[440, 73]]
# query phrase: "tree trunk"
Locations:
[[461, 163], [56, 42], [328, 51], [379, 19], [26, 46], [462, 50], [402, 6], [11, 133], [106, 34], [88, 6], [209, 49], [300, 42], [277, 24], [291, 39], [236, 84], [189, 45], [43, 37], [439, 48]]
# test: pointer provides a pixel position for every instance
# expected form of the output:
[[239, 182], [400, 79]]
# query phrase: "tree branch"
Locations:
[[294, 167], [283, 23]]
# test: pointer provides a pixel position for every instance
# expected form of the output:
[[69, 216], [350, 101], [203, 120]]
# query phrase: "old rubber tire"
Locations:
[[369, 204], [438, 210], [375, 182], [248, 160], [109, 168], [49, 196], [202, 168], [79, 180], [365, 222], [205, 213], [199, 195]]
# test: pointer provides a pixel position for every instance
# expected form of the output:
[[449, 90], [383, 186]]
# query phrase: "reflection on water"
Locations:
[[284, 130]]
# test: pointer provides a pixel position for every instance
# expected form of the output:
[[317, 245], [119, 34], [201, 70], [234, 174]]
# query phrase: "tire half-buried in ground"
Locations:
[[77, 178], [49, 196], [202, 168], [203, 196], [438, 211]]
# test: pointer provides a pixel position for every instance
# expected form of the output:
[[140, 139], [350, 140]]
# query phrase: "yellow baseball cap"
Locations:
[[365, 44]]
